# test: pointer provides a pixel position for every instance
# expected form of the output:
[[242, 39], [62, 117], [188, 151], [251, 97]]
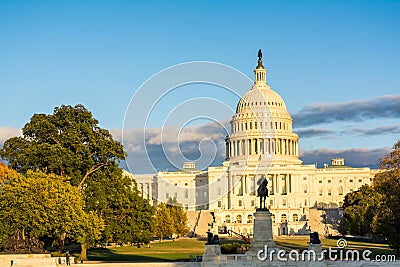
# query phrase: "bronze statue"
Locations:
[[259, 54], [263, 192], [314, 238]]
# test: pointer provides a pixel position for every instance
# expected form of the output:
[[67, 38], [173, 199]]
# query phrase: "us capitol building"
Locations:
[[261, 146]]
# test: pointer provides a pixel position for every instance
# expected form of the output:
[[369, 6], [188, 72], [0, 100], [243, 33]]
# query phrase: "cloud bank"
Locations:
[[358, 110], [355, 157]]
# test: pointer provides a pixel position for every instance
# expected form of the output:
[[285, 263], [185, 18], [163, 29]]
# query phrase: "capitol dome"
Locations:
[[262, 127]]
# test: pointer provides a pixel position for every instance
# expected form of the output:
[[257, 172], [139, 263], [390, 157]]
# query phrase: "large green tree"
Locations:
[[67, 142], [360, 208], [45, 206], [70, 143], [375, 211], [387, 182]]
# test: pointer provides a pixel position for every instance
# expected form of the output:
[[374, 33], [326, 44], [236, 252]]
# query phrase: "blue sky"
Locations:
[[322, 57]]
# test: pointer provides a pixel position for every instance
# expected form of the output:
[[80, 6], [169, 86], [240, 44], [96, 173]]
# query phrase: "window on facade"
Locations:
[[186, 206], [240, 193], [305, 203], [167, 195], [351, 180], [205, 194], [320, 181], [271, 202], [283, 218], [340, 181], [228, 219], [360, 180], [283, 202], [340, 191], [251, 125], [186, 193], [255, 125], [245, 125], [240, 203], [249, 218], [219, 191], [304, 178], [175, 195], [239, 219], [273, 218], [320, 193], [295, 217], [252, 202], [329, 181], [329, 192], [219, 204], [305, 190]]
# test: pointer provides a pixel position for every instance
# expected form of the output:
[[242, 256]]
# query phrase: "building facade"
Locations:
[[262, 146]]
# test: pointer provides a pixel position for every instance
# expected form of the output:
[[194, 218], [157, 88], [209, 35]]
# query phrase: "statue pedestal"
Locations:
[[212, 253], [262, 232], [317, 248]]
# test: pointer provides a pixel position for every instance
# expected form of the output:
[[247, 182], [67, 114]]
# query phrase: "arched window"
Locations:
[[239, 219], [249, 218], [295, 217], [283, 218], [228, 219]]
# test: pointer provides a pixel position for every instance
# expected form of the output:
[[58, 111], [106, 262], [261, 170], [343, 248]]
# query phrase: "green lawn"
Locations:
[[182, 249]]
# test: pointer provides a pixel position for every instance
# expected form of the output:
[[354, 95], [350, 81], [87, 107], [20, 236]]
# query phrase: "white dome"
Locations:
[[261, 99]]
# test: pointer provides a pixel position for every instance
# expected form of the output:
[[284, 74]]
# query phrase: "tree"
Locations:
[[179, 217], [387, 182], [6, 173], [359, 210], [163, 222], [44, 205], [375, 211], [70, 143]]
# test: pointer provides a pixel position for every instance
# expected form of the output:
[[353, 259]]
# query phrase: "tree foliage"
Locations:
[[375, 211], [163, 222], [6, 173], [359, 210], [179, 218], [170, 218], [387, 182], [70, 143], [44, 205], [67, 142]]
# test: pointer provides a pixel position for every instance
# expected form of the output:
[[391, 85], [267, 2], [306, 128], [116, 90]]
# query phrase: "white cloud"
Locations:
[[8, 132]]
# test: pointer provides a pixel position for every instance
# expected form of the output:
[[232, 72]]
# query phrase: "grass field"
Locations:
[[182, 249]]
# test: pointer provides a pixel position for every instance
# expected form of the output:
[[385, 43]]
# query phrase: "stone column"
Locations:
[[262, 232]]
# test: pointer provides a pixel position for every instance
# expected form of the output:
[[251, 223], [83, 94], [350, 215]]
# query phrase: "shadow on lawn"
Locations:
[[109, 255]]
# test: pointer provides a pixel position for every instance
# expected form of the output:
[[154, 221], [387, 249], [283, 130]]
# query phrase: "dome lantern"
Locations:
[[260, 72]]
